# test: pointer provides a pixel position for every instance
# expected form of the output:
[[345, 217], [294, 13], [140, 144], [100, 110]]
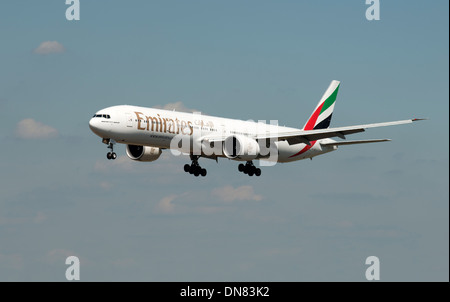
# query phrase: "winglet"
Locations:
[[418, 119]]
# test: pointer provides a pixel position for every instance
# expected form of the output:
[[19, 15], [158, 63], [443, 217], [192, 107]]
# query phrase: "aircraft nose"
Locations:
[[95, 126], [92, 124], [99, 127]]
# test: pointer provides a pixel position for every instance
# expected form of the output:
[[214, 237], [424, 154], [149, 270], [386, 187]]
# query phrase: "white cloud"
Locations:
[[49, 47], [31, 129], [166, 205], [199, 202], [228, 193], [178, 106]]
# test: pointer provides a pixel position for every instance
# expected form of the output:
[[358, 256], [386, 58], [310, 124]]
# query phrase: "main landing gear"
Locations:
[[249, 169], [110, 143], [195, 168]]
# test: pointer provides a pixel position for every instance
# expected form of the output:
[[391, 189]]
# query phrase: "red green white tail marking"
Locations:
[[321, 116]]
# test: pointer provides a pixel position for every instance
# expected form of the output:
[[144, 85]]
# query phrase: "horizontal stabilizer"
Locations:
[[367, 141]]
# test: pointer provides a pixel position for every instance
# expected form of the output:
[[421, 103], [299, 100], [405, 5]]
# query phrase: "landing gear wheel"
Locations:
[[113, 155], [249, 169], [191, 169], [108, 155], [195, 168]]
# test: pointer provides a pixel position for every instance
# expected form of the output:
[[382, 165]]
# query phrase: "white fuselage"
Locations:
[[134, 125]]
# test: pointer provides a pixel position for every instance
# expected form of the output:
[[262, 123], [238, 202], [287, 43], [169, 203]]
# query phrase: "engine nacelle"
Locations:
[[143, 153], [242, 147]]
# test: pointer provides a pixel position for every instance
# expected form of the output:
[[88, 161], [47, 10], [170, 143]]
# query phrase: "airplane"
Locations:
[[148, 131]]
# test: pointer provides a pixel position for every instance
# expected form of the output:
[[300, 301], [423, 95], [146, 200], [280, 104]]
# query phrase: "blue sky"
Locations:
[[305, 221]]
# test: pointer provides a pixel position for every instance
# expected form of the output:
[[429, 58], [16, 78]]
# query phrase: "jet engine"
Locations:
[[143, 153], [241, 147]]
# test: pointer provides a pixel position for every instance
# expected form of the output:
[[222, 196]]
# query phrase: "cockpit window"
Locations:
[[102, 115]]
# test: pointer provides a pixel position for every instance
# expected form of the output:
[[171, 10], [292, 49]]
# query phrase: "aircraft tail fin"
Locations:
[[321, 116]]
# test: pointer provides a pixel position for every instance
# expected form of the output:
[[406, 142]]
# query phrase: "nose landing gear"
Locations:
[[110, 143]]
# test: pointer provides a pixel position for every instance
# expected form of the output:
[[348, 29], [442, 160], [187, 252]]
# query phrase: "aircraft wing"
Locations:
[[366, 141], [306, 137]]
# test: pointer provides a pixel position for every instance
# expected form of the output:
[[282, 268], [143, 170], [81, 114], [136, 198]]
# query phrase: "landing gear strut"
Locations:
[[249, 169], [110, 143], [194, 168]]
